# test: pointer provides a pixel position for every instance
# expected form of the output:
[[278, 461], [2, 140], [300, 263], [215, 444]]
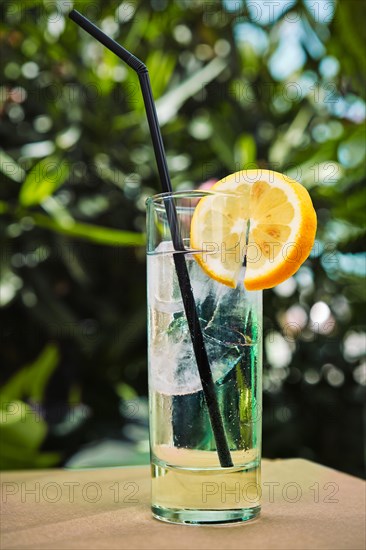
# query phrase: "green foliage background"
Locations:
[[236, 87]]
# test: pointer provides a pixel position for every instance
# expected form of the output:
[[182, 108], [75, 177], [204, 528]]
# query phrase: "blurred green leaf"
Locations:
[[66, 225], [245, 150], [22, 426], [222, 144], [350, 38], [169, 104], [353, 208], [160, 66], [44, 178], [3, 207], [10, 168], [30, 381], [23, 431], [92, 233]]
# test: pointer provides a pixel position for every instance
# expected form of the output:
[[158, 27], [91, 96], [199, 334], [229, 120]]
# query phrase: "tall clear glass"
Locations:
[[188, 483]]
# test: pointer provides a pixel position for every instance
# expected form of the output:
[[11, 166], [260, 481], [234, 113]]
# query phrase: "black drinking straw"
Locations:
[[179, 259]]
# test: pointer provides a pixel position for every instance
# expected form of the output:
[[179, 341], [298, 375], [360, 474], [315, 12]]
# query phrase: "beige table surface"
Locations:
[[304, 506]]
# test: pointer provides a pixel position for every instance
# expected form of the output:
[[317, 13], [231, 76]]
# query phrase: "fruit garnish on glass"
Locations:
[[263, 219]]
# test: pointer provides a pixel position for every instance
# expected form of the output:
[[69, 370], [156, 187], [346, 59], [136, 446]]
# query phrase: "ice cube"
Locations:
[[163, 288], [173, 367]]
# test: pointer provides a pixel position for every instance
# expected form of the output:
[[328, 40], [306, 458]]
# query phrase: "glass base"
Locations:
[[205, 517]]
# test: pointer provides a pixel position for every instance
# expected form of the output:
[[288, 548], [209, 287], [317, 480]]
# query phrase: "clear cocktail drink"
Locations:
[[188, 483]]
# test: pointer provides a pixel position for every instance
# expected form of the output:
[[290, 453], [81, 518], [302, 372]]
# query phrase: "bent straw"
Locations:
[[179, 260]]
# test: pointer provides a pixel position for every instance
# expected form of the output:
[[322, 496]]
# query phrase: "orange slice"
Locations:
[[261, 216]]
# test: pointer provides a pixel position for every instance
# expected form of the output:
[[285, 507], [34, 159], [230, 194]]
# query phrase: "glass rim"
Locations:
[[158, 199]]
